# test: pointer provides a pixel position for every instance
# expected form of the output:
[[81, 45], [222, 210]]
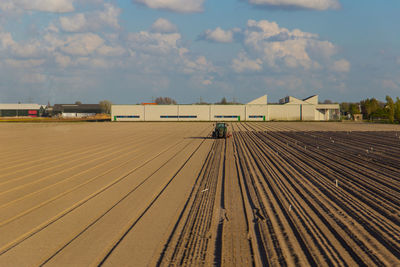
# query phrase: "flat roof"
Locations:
[[19, 106]]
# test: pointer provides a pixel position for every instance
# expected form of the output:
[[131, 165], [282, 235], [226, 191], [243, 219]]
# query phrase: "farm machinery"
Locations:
[[220, 130]]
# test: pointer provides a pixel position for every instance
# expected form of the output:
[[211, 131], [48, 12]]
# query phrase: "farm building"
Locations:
[[76, 110], [289, 109], [20, 110]]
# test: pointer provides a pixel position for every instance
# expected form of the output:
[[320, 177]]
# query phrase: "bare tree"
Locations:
[[105, 106], [223, 101]]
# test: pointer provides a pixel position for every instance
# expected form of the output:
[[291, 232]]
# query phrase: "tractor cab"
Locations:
[[220, 130]]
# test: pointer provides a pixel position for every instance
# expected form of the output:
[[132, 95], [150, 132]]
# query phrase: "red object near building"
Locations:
[[32, 113]]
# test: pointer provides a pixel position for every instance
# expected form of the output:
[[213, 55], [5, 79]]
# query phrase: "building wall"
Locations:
[[127, 112], [227, 112], [284, 112], [312, 100], [320, 114], [256, 112], [19, 110], [194, 112], [161, 112], [220, 112], [308, 112]]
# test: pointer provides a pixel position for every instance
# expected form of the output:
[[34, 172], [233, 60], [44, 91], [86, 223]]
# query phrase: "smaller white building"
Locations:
[[312, 109], [77, 115]]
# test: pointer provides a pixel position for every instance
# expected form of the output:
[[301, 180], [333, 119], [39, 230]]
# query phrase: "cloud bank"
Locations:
[[302, 4], [219, 35], [162, 25], [56, 6], [181, 6], [266, 43]]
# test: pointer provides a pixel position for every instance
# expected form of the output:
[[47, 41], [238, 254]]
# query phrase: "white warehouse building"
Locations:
[[289, 109]]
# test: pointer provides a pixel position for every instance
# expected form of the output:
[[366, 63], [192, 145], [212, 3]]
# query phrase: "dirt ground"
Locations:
[[166, 194]]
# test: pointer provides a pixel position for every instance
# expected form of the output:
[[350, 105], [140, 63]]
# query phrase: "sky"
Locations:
[[132, 51]]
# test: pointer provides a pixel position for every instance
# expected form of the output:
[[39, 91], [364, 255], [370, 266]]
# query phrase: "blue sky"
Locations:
[[63, 51]]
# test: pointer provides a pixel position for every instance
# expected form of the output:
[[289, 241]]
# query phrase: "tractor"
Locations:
[[220, 130]]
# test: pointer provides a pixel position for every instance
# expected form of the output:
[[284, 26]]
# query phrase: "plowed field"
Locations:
[[166, 194]]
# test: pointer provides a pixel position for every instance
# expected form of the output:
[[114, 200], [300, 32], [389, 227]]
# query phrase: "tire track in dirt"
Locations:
[[237, 247], [132, 225], [193, 233], [362, 238], [49, 199]]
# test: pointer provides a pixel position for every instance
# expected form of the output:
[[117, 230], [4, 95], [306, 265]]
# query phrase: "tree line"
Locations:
[[170, 101], [374, 110]]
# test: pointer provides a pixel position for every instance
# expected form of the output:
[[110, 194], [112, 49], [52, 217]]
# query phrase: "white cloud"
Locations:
[[278, 45], [182, 6], [106, 50], [78, 51], [73, 23], [7, 5], [30, 49], [242, 63], [154, 43], [280, 48], [341, 65], [162, 25], [271, 31], [321, 49], [56, 6], [109, 16], [199, 65], [219, 35], [6, 40], [82, 44], [24, 63], [62, 60], [306, 4], [92, 21]]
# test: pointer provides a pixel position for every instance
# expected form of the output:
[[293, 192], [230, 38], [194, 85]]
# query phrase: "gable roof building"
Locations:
[[76, 110]]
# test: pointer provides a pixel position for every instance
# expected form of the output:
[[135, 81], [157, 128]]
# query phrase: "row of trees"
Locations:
[[165, 101], [170, 101], [104, 104], [373, 109]]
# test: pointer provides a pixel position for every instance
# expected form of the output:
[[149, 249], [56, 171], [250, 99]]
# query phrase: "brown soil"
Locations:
[[165, 194]]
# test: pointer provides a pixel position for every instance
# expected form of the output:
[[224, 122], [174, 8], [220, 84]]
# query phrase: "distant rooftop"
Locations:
[[20, 106]]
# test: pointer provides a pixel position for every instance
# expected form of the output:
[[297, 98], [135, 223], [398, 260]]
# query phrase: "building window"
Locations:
[[178, 117], [188, 117], [226, 116], [128, 117], [256, 116]]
